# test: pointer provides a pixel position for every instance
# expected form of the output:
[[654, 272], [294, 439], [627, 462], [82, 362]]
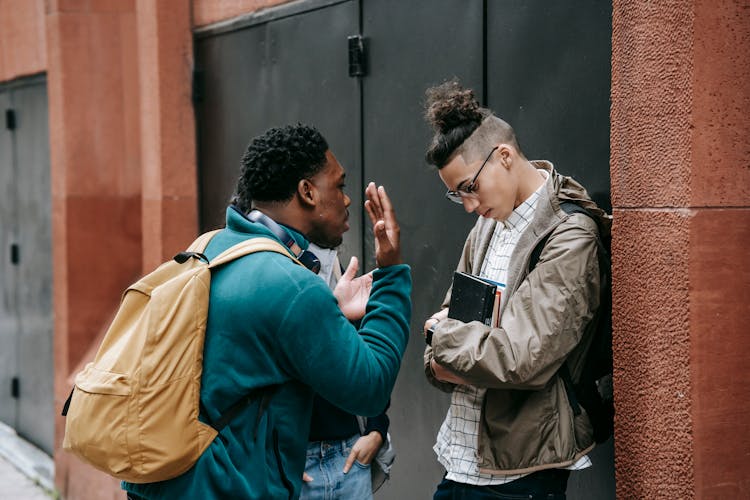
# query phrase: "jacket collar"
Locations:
[[238, 223]]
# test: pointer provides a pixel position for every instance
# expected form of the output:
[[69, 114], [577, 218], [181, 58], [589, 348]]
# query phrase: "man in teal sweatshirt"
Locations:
[[272, 322]]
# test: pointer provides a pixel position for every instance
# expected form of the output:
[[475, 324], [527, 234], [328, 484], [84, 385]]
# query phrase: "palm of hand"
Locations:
[[353, 294]]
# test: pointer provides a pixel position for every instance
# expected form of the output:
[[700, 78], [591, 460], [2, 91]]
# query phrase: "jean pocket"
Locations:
[[361, 465]]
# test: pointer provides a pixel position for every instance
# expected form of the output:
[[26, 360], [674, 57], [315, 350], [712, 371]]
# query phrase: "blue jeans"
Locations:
[[325, 464], [543, 485]]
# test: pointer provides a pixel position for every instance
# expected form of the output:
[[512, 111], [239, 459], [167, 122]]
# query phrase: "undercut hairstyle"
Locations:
[[276, 161], [461, 125]]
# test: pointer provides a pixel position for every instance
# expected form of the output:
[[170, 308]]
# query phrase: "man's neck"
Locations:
[[284, 213], [531, 180]]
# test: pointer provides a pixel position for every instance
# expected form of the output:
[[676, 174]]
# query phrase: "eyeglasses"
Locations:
[[467, 191]]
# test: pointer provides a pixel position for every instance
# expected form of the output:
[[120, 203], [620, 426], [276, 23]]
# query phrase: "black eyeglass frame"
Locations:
[[457, 195]]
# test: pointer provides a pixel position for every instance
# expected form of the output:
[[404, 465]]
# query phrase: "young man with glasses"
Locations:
[[510, 429]]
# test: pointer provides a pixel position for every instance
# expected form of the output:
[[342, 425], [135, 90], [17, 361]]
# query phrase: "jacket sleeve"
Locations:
[[542, 323], [464, 265], [354, 370], [378, 423]]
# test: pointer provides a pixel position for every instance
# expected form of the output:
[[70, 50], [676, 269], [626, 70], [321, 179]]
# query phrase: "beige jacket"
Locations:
[[526, 422]]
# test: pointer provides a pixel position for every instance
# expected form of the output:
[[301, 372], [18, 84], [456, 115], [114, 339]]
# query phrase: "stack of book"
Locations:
[[475, 299]]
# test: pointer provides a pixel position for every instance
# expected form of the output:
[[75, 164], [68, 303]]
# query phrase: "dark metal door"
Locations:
[[548, 75], [282, 71], [413, 45], [8, 270], [27, 229]]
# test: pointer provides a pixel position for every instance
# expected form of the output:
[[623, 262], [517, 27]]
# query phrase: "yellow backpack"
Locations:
[[133, 412]]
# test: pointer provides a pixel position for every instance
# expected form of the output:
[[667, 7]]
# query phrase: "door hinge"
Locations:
[[15, 253], [10, 119], [199, 85], [15, 388], [357, 55]]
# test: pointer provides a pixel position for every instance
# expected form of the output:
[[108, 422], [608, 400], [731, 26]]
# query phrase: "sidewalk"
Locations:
[[26, 473]]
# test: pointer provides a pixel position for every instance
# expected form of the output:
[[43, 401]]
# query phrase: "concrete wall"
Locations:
[[680, 144]]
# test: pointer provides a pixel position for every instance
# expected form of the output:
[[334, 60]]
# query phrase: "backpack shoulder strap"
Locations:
[[573, 208], [569, 208], [201, 242], [253, 245]]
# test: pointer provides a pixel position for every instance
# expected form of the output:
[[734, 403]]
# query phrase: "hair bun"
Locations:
[[450, 105]]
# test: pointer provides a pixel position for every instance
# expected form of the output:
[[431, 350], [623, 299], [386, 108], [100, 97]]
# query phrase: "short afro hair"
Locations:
[[276, 161]]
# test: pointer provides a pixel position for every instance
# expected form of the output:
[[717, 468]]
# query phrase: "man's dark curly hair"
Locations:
[[276, 161], [454, 114]]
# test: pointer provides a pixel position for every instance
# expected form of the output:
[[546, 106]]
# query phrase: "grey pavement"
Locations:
[[26, 472]]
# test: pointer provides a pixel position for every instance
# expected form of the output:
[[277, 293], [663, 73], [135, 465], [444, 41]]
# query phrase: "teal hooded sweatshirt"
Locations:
[[271, 321]]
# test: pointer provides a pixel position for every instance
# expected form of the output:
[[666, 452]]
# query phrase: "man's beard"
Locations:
[[323, 238], [326, 242]]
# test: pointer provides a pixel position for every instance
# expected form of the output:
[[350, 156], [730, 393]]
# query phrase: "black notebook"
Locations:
[[474, 299]]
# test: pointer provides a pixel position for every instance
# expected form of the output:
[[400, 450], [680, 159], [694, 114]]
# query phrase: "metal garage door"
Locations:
[[26, 376], [548, 74], [293, 68], [414, 45]]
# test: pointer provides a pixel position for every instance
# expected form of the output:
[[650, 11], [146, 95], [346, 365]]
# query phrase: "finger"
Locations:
[[350, 461], [370, 212], [371, 192], [351, 269], [428, 323], [373, 195], [370, 189], [386, 205], [306, 477]]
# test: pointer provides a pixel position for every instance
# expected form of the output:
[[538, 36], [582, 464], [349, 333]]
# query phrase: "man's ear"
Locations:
[[506, 153], [307, 193]]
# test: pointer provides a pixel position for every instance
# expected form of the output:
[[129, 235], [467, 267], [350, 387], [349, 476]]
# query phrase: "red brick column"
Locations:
[[96, 190], [680, 143], [169, 181], [22, 47], [212, 11], [124, 174]]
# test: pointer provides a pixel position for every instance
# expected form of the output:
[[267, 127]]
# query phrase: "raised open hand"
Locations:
[[353, 293], [384, 226]]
